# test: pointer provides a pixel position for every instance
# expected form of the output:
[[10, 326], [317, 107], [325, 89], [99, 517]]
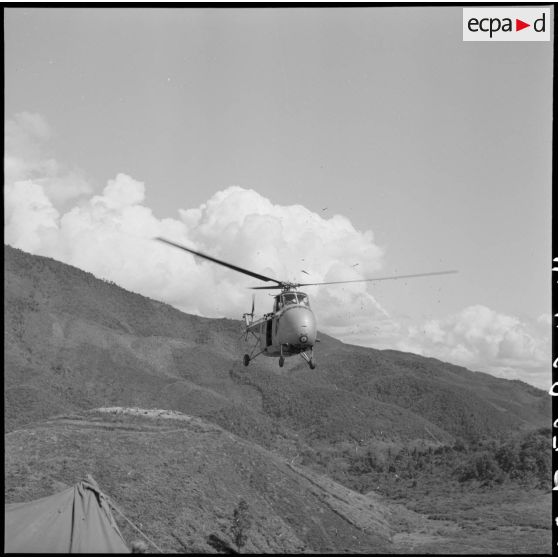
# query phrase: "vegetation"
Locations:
[[242, 522], [523, 460]]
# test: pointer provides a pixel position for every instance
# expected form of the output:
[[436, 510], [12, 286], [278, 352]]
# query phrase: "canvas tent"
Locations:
[[75, 521]]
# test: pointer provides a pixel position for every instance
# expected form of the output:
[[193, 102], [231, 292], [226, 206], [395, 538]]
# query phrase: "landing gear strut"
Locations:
[[281, 361], [309, 359], [249, 357]]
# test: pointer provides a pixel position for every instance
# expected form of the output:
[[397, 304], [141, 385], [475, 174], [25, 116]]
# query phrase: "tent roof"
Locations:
[[77, 520]]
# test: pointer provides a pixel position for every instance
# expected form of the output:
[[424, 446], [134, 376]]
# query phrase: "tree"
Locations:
[[242, 521], [481, 467], [507, 459]]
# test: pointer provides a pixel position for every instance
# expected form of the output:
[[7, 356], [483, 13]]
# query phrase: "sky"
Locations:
[[302, 143]]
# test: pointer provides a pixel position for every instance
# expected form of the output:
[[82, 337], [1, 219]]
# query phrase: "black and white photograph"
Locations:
[[277, 279]]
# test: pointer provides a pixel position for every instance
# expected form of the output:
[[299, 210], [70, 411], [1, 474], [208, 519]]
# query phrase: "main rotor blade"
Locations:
[[221, 262], [374, 279]]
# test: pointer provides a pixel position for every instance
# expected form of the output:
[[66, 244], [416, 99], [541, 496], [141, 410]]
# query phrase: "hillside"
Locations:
[[74, 343], [190, 478]]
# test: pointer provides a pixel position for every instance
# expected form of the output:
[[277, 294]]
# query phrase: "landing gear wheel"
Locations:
[[312, 364], [246, 360], [281, 361]]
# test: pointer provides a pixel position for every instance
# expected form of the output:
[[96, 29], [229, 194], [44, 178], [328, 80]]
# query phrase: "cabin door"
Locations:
[[268, 333]]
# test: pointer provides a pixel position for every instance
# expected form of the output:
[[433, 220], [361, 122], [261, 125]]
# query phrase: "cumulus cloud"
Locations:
[[51, 212], [111, 235], [29, 215], [480, 338], [27, 158], [287, 243]]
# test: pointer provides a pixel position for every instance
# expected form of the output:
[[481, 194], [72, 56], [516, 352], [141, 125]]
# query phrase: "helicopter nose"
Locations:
[[297, 326]]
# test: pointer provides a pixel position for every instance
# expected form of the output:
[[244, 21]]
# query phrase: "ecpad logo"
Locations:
[[495, 24], [506, 24]]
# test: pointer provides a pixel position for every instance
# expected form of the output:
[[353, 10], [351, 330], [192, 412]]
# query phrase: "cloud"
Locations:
[[111, 235], [480, 338], [286, 243], [28, 214], [51, 212], [26, 158]]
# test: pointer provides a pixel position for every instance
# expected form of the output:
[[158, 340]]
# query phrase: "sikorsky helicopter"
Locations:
[[290, 329]]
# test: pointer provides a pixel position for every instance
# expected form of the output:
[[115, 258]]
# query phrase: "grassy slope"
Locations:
[[181, 481]]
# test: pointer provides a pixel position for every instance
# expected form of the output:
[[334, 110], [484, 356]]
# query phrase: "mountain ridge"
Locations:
[[398, 377]]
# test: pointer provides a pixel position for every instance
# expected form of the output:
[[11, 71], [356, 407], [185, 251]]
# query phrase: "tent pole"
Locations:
[[136, 528]]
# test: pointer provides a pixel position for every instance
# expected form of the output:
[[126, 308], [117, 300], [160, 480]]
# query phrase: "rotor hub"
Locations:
[[289, 286]]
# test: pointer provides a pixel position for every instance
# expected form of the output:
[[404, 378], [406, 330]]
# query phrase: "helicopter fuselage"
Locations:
[[289, 330]]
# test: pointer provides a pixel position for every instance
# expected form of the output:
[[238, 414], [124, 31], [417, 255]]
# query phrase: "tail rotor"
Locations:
[[251, 314]]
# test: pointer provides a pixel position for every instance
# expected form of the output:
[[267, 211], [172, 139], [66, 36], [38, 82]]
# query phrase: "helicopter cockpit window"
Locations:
[[292, 298], [289, 298]]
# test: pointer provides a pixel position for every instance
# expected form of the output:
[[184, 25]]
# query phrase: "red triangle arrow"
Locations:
[[519, 25]]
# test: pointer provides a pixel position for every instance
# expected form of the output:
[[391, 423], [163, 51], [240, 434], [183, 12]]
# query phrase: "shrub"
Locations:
[[242, 522], [482, 467]]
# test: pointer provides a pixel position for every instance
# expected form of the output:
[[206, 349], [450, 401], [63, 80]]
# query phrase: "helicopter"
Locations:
[[290, 328]]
